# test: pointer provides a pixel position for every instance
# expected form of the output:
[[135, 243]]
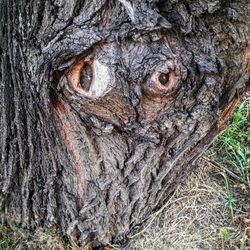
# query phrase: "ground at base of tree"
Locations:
[[195, 217]]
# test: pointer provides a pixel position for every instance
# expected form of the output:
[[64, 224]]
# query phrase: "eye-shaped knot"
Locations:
[[77, 78], [86, 76], [89, 78], [162, 83], [163, 78]]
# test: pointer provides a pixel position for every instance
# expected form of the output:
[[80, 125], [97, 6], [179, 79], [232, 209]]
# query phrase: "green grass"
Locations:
[[232, 148], [229, 195], [232, 151], [225, 236]]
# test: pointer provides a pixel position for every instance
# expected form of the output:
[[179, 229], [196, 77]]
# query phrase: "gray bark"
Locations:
[[106, 104]]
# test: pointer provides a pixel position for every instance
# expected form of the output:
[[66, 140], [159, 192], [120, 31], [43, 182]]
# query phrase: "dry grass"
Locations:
[[15, 238], [195, 217], [192, 219]]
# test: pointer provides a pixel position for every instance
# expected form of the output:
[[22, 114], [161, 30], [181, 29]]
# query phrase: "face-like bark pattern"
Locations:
[[106, 104]]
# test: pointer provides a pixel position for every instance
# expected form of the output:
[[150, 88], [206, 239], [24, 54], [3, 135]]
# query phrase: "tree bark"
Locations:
[[106, 104]]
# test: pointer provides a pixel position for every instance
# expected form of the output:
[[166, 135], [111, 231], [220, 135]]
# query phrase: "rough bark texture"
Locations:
[[106, 104]]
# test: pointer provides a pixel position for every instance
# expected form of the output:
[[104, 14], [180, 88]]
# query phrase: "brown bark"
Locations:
[[106, 104]]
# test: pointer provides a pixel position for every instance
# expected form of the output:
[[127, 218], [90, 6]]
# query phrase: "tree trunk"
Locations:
[[105, 105]]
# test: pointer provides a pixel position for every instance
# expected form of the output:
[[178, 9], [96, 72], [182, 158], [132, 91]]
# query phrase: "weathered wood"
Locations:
[[106, 104]]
